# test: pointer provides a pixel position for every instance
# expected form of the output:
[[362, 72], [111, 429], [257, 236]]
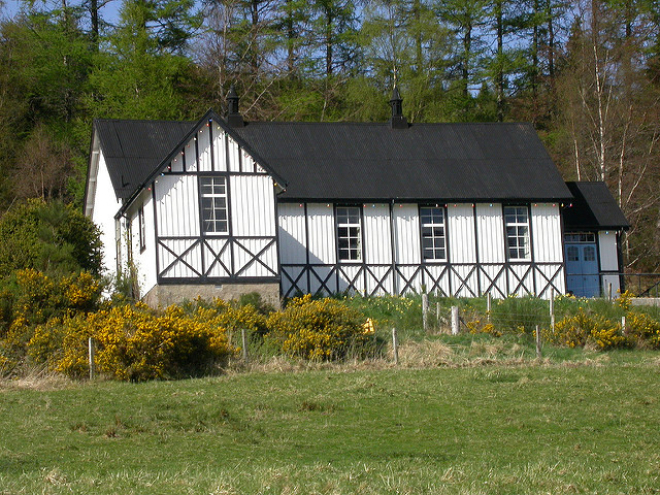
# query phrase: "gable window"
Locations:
[[433, 233], [142, 227], [214, 205], [516, 220], [349, 233]]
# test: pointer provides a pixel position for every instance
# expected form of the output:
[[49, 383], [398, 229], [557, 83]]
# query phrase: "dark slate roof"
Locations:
[[134, 148], [349, 161], [356, 161], [593, 208]]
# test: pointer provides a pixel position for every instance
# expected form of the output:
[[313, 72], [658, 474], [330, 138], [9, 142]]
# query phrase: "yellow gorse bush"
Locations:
[[318, 330], [134, 342], [583, 328]]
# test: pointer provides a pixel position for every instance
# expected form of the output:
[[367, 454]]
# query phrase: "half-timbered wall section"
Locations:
[[213, 209], [457, 249]]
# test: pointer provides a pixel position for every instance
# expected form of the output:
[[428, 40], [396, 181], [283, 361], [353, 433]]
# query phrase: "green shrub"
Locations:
[[319, 330], [519, 314]]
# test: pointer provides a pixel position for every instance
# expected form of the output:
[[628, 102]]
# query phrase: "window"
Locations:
[[214, 205], [349, 235], [588, 237], [433, 233], [141, 226], [516, 219]]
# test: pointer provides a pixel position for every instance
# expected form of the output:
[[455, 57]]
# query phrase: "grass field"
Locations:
[[585, 425]]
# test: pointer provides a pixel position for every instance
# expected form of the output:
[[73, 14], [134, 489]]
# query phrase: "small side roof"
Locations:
[[134, 148], [594, 208]]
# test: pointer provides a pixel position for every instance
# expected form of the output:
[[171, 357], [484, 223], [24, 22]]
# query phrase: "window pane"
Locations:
[[433, 233], [214, 205], [349, 236]]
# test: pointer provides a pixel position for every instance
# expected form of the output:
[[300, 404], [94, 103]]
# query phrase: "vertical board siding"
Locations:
[[176, 165], [204, 146], [252, 198], [217, 257], [609, 258], [407, 235], [292, 234], [521, 280], [245, 264], [546, 232], [177, 206], [460, 229], [219, 149], [490, 233], [234, 156], [321, 232], [380, 280], [377, 234], [190, 153]]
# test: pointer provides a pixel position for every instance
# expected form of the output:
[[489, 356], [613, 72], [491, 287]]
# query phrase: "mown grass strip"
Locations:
[[566, 428]]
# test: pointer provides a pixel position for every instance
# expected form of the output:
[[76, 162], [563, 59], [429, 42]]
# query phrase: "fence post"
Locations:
[[539, 355], [552, 308], [244, 340], [489, 303], [92, 353], [395, 346], [425, 310], [437, 311], [454, 320], [609, 291], [623, 325]]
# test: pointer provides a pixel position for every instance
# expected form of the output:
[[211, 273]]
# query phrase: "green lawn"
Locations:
[[587, 427]]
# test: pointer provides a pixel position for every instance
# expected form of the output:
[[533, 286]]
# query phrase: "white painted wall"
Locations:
[[103, 207], [377, 234], [322, 233], [407, 234]]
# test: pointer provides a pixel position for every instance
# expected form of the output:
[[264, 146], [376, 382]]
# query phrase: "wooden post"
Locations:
[[489, 303], [552, 309], [538, 343], [395, 346], [454, 320], [245, 344], [425, 310], [623, 325], [437, 311], [609, 291], [92, 353]]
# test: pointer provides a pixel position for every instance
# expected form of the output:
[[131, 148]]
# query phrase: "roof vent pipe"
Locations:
[[234, 117], [398, 121]]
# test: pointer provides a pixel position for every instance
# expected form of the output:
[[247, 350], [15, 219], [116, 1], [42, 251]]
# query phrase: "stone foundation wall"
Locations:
[[164, 295]]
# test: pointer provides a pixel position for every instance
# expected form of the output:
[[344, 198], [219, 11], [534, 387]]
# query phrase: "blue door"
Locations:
[[582, 269]]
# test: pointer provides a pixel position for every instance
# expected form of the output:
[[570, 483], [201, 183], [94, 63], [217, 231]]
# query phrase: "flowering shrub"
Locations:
[[642, 330], [583, 328], [477, 326], [134, 343], [317, 330], [31, 298]]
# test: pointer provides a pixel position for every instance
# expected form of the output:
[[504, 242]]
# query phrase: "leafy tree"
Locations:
[[50, 237]]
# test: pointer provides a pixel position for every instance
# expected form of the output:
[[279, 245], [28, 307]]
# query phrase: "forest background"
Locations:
[[585, 72]]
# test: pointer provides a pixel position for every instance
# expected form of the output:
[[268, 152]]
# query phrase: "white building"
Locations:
[[221, 207]]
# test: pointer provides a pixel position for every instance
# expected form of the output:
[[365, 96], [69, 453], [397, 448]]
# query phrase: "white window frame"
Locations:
[[215, 202], [142, 229], [434, 231], [517, 233], [349, 234]]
